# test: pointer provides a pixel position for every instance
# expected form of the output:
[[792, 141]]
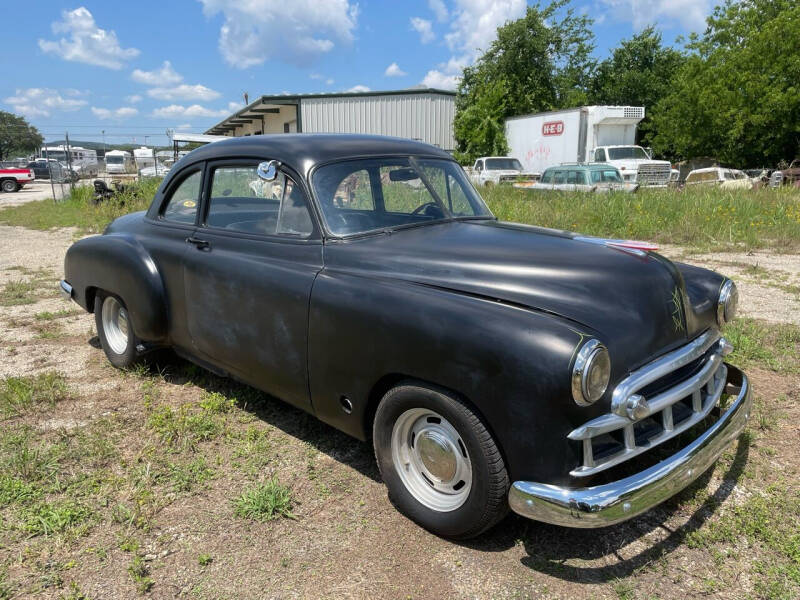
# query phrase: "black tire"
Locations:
[[119, 357], [9, 185], [487, 501]]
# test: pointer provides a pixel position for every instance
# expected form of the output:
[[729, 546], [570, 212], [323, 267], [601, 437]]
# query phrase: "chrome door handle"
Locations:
[[199, 243]]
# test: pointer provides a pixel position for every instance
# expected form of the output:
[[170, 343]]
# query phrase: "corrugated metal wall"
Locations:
[[424, 117]]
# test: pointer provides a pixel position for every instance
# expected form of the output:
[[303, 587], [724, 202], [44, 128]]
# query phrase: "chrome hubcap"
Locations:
[[431, 459], [115, 325]]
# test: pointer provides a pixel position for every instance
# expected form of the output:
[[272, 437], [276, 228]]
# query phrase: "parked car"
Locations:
[[725, 178], [491, 364], [494, 170], [13, 179], [790, 176], [47, 168], [594, 177]]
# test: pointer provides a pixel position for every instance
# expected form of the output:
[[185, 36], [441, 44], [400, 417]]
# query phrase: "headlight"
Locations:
[[591, 373], [727, 303]]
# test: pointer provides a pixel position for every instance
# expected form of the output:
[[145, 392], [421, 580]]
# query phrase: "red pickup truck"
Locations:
[[11, 180]]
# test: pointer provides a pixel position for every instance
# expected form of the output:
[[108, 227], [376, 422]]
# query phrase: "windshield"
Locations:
[[114, 159], [59, 155], [503, 164], [627, 152], [357, 196]]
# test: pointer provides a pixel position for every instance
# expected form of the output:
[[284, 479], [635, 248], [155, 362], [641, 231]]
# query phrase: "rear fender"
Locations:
[[119, 264]]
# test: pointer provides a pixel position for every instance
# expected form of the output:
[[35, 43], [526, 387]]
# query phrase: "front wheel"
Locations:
[[9, 185], [440, 464], [115, 330]]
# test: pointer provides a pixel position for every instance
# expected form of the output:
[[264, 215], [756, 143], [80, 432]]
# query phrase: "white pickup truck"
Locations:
[[494, 170], [635, 164], [12, 179]]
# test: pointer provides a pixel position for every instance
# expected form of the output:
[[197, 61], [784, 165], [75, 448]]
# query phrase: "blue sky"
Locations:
[[138, 68]]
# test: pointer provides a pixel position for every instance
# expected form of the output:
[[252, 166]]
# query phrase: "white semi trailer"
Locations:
[[604, 134]]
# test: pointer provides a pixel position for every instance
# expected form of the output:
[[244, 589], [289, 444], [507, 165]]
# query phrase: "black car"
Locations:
[[492, 364], [50, 168]]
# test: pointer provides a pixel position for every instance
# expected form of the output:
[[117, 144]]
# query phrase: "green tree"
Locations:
[[639, 72], [737, 98], [539, 62], [17, 135]]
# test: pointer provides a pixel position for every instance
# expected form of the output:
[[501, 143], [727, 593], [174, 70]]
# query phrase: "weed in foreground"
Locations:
[[265, 502], [140, 574], [15, 293], [772, 346], [20, 394]]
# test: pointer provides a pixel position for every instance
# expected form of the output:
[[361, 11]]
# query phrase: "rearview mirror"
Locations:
[[268, 171], [406, 174]]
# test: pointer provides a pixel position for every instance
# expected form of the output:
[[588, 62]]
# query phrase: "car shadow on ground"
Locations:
[[289, 419], [558, 551], [550, 549]]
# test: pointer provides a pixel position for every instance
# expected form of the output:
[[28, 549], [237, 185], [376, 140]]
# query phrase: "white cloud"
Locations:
[[234, 106], [358, 88], [439, 9], [133, 99], [166, 75], [318, 77], [424, 28], [178, 111], [295, 32], [42, 102], [691, 14], [184, 92], [123, 112], [86, 42], [393, 70], [473, 27], [439, 80], [184, 126]]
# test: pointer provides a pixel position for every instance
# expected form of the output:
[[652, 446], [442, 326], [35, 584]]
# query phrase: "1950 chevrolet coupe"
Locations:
[[576, 380]]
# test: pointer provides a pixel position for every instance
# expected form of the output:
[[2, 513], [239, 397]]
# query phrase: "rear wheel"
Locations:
[[9, 185], [115, 330], [440, 464]]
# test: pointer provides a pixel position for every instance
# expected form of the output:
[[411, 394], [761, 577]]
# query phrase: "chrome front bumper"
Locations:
[[65, 289], [611, 503]]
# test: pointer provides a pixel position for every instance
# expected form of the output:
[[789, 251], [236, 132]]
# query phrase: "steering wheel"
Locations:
[[424, 207]]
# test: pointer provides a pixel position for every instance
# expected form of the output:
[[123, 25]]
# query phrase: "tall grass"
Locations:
[[709, 218], [706, 219], [78, 209]]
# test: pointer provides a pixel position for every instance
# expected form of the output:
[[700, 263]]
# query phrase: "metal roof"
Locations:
[[282, 99]]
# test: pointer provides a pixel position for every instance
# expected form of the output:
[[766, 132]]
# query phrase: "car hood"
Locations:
[[634, 302]]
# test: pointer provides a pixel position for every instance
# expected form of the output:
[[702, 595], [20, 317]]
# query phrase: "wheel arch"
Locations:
[[119, 264]]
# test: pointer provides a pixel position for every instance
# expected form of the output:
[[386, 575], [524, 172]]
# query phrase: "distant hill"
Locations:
[[99, 145]]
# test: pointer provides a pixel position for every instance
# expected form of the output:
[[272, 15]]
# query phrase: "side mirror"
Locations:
[[268, 171]]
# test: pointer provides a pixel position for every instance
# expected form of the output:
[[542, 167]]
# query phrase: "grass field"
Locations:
[[707, 219], [78, 210]]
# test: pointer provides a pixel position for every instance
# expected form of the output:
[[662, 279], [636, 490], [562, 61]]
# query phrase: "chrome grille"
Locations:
[[611, 439], [649, 174]]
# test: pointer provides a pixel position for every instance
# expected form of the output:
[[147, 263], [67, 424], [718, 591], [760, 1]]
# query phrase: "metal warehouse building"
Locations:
[[419, 114]]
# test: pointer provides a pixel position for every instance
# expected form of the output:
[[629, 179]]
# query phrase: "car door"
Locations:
[[249, 275], [165, 239]]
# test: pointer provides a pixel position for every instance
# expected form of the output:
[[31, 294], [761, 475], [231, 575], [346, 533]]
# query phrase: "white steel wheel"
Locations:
[[115, 325], [431, 459]]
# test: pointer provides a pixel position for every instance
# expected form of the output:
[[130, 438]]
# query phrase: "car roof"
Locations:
[[590, 166], [302, 151]]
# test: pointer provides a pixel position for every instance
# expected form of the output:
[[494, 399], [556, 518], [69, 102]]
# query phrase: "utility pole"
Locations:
[[103, 131], [69, 163]]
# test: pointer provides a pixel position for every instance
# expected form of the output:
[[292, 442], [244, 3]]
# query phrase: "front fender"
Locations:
[[119, 264]]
